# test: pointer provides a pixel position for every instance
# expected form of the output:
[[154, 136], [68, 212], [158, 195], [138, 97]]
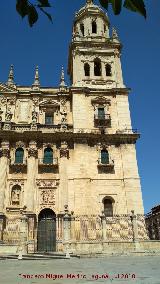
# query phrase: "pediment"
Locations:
[[101, 100], [50, 103], [4, 88]]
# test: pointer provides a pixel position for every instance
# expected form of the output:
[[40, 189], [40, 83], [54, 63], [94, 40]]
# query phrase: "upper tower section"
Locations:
[[94, 56], [90, 23]]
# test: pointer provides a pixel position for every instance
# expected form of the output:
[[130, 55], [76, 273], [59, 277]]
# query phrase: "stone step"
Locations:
[[38, 256]]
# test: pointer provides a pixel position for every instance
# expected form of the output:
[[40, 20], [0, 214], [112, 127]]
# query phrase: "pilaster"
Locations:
[[64, 156], [4, 157], [31, 176]]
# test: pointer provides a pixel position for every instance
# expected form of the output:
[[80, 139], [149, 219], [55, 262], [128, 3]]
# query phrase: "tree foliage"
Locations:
[[132, 5], [30, 9], [26, 8]]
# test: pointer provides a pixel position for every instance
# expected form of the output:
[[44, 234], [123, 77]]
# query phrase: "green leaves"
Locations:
[[26, 8], [136, 6], [132, 5]]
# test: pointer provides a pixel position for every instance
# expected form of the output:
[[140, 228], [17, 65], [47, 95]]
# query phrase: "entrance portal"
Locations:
[[46, 237]]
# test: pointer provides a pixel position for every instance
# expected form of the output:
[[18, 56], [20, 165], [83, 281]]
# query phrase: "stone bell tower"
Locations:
[[100, 103], [94, 59]]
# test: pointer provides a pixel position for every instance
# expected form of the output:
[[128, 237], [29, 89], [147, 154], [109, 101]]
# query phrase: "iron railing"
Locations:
[[48, 161]]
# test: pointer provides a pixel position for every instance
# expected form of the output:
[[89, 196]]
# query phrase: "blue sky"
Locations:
[[46, 45]]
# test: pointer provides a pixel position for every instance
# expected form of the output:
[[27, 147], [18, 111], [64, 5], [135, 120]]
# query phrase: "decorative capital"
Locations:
[[33, 152], [5, 153]]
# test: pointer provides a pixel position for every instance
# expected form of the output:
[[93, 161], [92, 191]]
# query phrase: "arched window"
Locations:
[[15, 195], [101, 113], [86, 69], [94, 27], [108, 207], [48, 156], [104, 157], [97, 67], [82, 29], [104, 28], [19, 155], [108, 70]]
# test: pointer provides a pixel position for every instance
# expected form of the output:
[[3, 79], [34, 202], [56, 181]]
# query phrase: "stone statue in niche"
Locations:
[[34, 117], [15, 195]]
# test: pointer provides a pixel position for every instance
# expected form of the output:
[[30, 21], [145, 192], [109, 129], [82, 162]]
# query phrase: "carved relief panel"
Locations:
[[23, 111], [47, 193]]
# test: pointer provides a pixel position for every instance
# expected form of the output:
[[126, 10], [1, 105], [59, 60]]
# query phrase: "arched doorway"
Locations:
[[46, 237]]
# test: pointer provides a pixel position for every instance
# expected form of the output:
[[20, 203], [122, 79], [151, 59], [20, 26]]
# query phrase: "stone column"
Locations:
[[67, 224], [103, 220], [4, 157], [23, 236], [135, 231], [2, 220], [134, 226], [66, 230], [31, 176], [64, 155]]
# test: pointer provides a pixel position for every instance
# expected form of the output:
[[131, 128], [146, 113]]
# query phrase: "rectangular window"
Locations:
[[49, 118]]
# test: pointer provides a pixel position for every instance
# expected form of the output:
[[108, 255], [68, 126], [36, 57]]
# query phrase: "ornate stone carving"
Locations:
[[33, 152], [47, 183], [8, 115], [117, 53], [49, 103], [11, 101], [35, 102], [20, 144], [1, 111], [3, 101], [47, 196], [101, 101], [17, 182], [64, 151], [5, 153], [34, 117]]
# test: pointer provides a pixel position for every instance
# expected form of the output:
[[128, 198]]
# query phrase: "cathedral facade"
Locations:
[[68, 167]]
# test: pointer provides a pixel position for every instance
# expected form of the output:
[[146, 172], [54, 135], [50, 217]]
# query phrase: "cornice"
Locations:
[[92, 137]]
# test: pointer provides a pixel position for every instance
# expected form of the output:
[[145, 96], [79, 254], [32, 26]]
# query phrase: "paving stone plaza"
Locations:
[[111, 269]]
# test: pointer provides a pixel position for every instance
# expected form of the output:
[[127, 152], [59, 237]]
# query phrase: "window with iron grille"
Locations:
[[104, 157], [49, 118]]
